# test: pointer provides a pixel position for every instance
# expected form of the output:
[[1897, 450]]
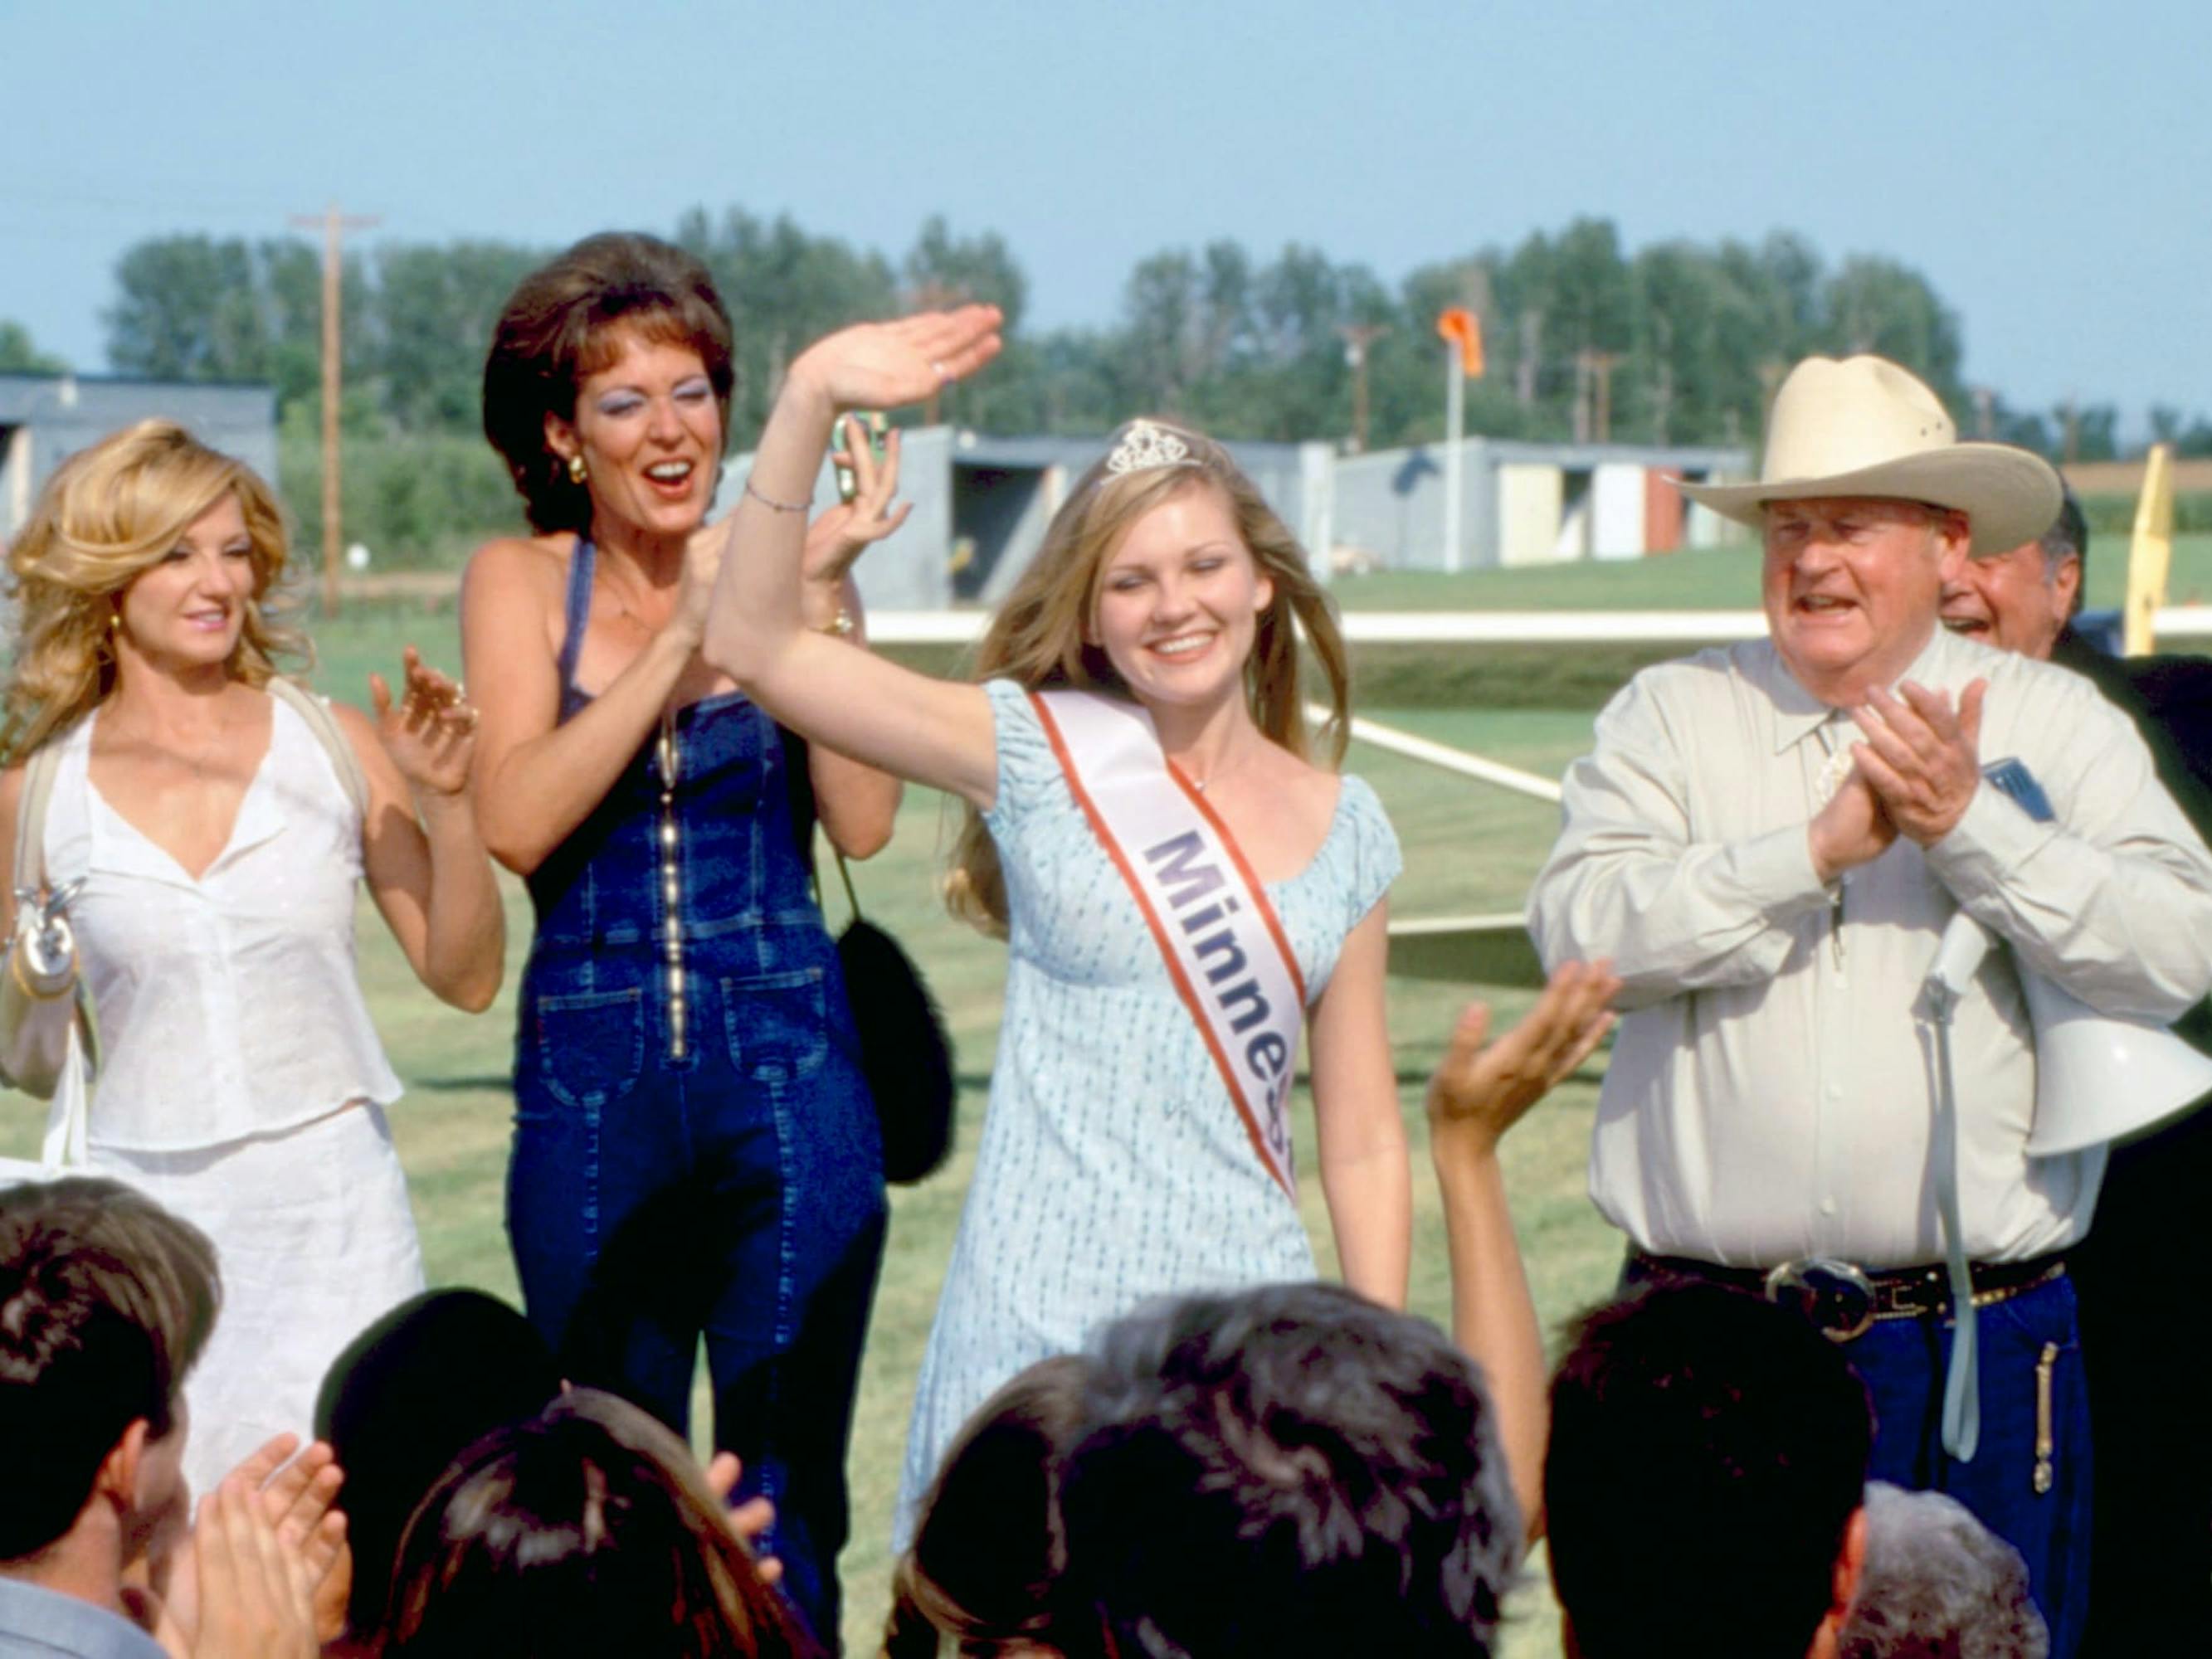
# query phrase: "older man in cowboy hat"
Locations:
[[1770, 840]]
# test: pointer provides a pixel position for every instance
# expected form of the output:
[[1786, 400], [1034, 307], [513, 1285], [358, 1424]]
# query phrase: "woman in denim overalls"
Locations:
[[696, 1151]]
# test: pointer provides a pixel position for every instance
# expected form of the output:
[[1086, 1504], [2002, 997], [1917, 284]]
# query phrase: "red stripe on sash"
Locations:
[[1181, 982]]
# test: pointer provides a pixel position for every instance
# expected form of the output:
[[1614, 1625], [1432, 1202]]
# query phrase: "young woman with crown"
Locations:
[[1186, 889]]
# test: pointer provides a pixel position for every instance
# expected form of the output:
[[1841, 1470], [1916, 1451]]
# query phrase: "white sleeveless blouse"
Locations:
[[229, 1006]]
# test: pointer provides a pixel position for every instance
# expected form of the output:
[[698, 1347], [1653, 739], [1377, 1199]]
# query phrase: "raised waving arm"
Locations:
[[823, 687]]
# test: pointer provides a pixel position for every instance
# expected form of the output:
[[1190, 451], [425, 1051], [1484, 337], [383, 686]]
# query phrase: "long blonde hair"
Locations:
[[108, 514], [1037, 639]]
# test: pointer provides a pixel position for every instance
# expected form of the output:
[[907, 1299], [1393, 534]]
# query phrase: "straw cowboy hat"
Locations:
[[1861, 425]]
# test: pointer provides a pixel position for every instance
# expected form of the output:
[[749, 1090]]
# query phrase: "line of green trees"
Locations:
[[1677, 343]]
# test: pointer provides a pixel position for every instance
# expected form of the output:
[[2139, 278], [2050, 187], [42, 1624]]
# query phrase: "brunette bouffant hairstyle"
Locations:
[[564, 322]]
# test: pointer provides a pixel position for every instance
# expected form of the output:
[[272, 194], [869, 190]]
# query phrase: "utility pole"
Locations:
[[1985, 423], [1357, 337], [333, 225], [1602, 365]]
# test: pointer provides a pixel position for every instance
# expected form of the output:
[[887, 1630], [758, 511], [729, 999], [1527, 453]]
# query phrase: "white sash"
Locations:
[[1224, 946]]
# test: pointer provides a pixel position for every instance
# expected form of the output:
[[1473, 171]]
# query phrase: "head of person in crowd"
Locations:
[[1938, 1585], [1165, 577], [1285, 1471], [1701, 1488], [1867, 505], [106, 1301], [585, 1530], [147, 548], [406, 1397], [2022, 599], [989, 1550], [607, 389]]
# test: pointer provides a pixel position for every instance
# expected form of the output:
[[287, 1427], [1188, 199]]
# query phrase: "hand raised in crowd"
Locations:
[[885, 365], [241, 1591], [748, 1521], [841, 535], [431, 735], [1480, 1088], [298, 1497], [1923, 758]]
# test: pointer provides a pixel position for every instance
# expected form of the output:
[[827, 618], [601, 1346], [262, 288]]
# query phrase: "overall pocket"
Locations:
[[590, 1046], [775, 1024]]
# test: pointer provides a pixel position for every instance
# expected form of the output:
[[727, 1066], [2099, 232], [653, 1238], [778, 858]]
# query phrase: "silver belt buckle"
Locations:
[[1836, 1295]]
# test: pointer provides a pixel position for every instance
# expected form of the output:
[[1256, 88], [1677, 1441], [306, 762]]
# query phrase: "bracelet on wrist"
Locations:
[[771, 502]]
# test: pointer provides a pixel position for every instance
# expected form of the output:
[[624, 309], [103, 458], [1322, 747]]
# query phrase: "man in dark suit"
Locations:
[[2145, 1269]]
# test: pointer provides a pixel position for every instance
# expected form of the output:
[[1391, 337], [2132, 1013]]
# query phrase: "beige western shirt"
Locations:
[[1771, 1088]]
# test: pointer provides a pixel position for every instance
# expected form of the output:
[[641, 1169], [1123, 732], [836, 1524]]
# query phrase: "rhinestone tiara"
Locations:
[[1143, 447]]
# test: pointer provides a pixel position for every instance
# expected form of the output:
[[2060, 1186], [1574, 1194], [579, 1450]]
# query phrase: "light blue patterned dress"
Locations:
[[1113, 1166]]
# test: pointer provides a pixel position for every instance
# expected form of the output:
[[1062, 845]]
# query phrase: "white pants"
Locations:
[[315, 1240]]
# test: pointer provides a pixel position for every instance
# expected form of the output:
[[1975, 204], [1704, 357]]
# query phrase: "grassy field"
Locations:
[[1708, 579], [1467, 849]]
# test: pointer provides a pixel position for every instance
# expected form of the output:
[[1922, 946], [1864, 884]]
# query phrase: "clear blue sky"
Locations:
[[2045, 165]]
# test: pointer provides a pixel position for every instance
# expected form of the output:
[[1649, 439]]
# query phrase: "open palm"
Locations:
[[886, 365]]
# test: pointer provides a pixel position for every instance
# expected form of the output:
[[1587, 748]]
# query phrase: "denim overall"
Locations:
[[695, 1148]]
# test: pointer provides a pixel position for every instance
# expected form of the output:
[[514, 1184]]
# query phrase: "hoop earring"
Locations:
[[577, 471]]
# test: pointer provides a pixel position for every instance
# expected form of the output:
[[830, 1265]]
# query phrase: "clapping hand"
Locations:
[[1481, 1088], [298, 1497], [841, 535], [885, 365], [1922, 757], [432, 735], [241, 1586]]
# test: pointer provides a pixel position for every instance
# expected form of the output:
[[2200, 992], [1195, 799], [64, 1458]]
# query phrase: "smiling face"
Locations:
[[650, 436], [1178, 600], [1851, 587], [2014, 600], [188, 607]]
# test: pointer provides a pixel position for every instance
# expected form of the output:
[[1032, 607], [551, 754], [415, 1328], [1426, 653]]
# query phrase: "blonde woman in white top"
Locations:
[[242, 1084]]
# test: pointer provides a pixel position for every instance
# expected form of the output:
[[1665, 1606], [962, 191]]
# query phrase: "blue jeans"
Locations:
[[1902, 1360], [733, 1193]]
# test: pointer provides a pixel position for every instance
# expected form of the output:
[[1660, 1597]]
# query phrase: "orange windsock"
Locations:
[[1458, 323]]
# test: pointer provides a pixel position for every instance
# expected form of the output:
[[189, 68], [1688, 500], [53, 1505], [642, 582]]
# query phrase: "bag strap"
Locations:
[[325, 724], [38, 772]]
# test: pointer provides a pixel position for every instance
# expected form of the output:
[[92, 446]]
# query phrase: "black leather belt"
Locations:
[[1841, 1298]]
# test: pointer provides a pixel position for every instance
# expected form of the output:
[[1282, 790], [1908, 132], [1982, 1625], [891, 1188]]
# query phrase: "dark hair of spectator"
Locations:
[[2068, 536], [106, 1300], [985, 1565], [1287, 1471], [408, 1396], [567, 322], [1708, 1450], [585, 1531]]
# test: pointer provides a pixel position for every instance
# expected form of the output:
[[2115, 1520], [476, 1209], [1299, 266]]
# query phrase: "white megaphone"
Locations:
[[2098, 1077]]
